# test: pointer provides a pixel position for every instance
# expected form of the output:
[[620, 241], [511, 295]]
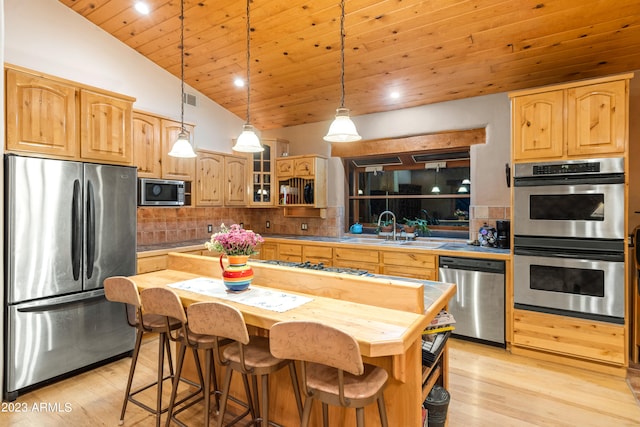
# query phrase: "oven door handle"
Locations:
[[551, 253], [545, 181]]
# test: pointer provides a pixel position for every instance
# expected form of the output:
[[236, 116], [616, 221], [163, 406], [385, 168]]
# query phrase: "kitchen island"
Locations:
[[386, 316]]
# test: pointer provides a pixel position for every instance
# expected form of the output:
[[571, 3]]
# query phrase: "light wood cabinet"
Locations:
[[105, 131], [62, 119], [147, 145], [175, 167], [302, 181], [210, 178], [318, 254], [409, 264], [290, 252], [579, 120], [362, 259], [236, 181], [568, 336], [41, 115], [261, 170], [268, 251]]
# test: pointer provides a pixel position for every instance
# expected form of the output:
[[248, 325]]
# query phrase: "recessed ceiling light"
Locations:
[[142, 8], [238, 82], [395, 94]]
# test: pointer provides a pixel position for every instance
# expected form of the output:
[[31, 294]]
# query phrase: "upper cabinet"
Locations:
[[105, 131], [221, 179], [59, 118], [147, 145], [261, 172], [175, 167], [580, 120], [210, 178], [153, 138], [41, 115], [302, 181]]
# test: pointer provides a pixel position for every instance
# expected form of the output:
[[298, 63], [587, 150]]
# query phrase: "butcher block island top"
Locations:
[[385, 315]]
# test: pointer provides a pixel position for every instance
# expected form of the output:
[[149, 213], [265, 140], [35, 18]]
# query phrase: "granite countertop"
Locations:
[[445, 246]]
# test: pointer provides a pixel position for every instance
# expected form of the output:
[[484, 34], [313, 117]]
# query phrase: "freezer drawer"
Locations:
[[55, 336]]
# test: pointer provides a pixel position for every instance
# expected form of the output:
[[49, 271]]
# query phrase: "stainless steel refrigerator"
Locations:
[[68, 226]]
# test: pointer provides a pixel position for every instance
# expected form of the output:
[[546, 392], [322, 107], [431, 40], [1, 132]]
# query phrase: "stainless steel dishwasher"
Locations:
[[478, 305]]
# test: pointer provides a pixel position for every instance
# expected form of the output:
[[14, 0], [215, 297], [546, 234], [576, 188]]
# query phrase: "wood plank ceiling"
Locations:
[[427, 50]]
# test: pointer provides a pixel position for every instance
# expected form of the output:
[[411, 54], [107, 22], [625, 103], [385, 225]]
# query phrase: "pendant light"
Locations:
[[342, 129], [435, 188], [182, 147], [248, 141]]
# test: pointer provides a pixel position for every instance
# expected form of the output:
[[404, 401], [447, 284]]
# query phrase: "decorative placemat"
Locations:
[[269, 299]]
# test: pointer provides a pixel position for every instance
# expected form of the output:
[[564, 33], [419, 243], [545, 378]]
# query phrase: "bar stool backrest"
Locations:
[[318, 343], [164, 302], [124, 290], [218, 319]]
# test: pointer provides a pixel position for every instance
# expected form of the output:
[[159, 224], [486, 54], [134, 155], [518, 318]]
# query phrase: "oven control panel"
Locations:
[[566, 168]]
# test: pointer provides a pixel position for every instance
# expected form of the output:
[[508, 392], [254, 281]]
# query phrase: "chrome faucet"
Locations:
[[394, 221]]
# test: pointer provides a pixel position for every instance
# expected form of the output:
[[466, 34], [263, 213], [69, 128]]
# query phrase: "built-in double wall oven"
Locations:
[[568, 226]]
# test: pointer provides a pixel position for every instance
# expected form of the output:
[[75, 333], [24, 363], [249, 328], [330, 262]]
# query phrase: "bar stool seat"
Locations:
[[332, 368], [123, 290]]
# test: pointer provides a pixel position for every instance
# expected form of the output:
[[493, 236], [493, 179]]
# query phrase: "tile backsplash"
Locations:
[[157, 225]]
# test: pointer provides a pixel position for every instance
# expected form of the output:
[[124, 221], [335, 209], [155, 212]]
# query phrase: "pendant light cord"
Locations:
[[182, 65], [248, 64], [342, 54]]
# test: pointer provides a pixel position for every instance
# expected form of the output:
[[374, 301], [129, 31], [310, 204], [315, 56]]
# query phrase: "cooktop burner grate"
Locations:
[[319, 266]]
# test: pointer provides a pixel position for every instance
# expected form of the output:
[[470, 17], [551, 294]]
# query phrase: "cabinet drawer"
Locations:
[[318, 252], [417, 273], [290, 250], [409, 259], [357, 255], [583, 338]]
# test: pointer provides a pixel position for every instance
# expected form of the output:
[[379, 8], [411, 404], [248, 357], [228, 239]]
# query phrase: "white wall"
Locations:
[[46, 36], [488, 160]]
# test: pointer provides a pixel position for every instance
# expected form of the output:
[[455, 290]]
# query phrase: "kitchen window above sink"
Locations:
[[432, 187]]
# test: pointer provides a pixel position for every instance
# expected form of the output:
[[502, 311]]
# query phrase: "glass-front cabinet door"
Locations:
[[262, 172]]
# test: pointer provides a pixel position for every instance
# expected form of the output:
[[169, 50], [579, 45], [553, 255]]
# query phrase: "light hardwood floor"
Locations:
[[488, 386]]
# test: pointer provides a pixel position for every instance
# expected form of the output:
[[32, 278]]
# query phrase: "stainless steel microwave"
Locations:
[[160, 192]]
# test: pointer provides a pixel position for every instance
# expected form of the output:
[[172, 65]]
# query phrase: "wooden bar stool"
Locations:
[[166, 302], [250, 356], [332, 368], [124, 290]]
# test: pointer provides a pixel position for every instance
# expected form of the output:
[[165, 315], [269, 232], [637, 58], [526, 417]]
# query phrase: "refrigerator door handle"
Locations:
[[58, 303], [76, 230], [91, 229]]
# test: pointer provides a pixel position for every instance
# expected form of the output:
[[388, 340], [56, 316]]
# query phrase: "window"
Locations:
[[408, 191]]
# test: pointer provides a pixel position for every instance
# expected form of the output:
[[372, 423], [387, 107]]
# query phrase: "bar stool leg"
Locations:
[[382, 409], [306, 413], [360, 417], [132, 369], [161, 340], [176, 381], [207, 387], [296, 387], [225, 395], [264, 381]]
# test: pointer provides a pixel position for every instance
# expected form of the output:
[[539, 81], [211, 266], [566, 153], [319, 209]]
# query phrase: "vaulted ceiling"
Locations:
[[427, 50]]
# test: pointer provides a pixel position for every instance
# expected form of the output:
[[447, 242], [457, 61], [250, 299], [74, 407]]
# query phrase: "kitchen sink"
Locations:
[[426, 244]]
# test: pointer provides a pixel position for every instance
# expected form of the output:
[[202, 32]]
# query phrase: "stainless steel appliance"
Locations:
[[577, 277], [479, 303], [68, 226], [160, 192], [568, 225], [573, 198]]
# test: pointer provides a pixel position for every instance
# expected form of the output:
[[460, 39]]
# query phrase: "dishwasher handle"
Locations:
[[472, 264]]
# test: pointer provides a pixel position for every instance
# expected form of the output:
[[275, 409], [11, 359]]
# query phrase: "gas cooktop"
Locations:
[[319, 266]]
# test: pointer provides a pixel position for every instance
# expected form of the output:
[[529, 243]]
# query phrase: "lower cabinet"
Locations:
[[585, 339], [415, 265], [289, 252], [147, 264], [362, 259], [318, 254]]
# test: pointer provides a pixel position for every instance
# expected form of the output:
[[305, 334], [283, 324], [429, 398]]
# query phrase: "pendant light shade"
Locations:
[[248, 141], [182, 147], [342, 129], [435, 188]]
